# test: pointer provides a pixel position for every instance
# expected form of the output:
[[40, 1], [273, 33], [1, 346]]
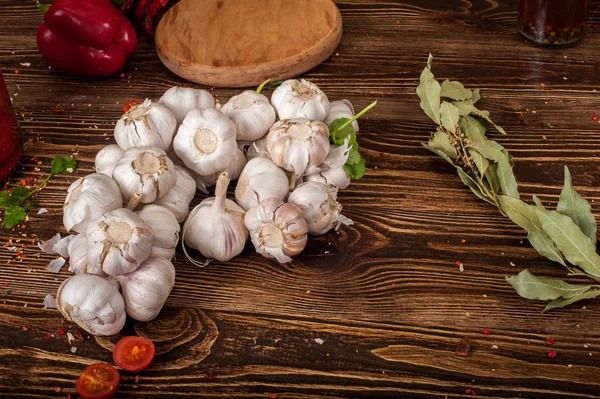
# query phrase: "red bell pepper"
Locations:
[[86, 37], [10, 139]]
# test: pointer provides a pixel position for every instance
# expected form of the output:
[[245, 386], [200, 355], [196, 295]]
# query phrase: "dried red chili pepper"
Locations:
[[140, 10], [62, 331]]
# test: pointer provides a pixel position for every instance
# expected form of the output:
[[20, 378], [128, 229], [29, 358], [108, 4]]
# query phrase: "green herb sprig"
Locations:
[[17, 201], [339, 130], [566, 235]]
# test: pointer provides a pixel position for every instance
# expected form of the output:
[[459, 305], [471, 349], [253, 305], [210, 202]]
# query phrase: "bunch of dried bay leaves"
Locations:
[[566, 235]]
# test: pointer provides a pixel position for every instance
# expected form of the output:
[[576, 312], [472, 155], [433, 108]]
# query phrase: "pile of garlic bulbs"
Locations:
[[128, 214]]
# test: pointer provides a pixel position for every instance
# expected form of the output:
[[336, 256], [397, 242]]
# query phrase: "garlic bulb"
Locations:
[[93, 302], [319, 206], [297, 144], [165, 227], [257, 149], [260, 179], [145, 290], [89, 197], [341, 109], [277, 230], [300, 99], [205, 141], [107, 158], [144, 174], [216, 226], [252, 114], [118, 242], [182, 100], [146, 125], [336, 177], [179, 197]]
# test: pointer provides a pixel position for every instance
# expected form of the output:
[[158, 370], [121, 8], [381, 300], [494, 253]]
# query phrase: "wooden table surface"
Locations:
[[385, 296]]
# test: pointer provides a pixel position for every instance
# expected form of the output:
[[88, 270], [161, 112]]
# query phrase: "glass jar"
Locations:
[[10, 137], [553, 23]]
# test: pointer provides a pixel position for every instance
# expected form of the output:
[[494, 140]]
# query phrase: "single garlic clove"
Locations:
[[277, 230], [76, 251], [93, 302], [300, 99], [216, 226], [107, 158], [146, 290], [145, 174], [182, 100], [205, 141], [319, 206], [298, 144], [260, 179], [341, 109], [117, 243], [336, 177], [165, 227], [89, 197], [257, 149], [252, 114], [147, 124], [179, 197]]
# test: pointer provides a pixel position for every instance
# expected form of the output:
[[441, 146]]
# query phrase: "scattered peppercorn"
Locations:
[[550, 341], [486, 331], [552, 354]]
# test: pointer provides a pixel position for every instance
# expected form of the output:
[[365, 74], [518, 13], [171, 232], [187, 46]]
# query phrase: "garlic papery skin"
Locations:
[[165, 227], [182, 100], [89, 197], [216, 226], [300, 99], [341, 109], [117, 243], [145, 290], [297, 144], [252, 114], [277, 230], [179, 197], [205, 141], [144, 174], [336, 177], [234, 169], [319, 206], [257, 149], [107, 158], [204, 182], [93, 302], [146, 125], [260, 179]]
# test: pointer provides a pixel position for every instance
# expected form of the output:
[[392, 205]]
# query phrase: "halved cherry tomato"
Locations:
[[134, 353], [130, 104], [98, 381]]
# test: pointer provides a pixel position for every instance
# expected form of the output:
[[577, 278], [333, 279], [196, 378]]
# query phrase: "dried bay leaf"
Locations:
[[472, 184], [464, 109], [569, 239], [525, 216], [573, 205], [474, 128], [476, 96], [538, 202], [449, 116], [508, 182], [491, 176], [562, 302], [429, 92], [455, 90], [480, 161], [545, 289]]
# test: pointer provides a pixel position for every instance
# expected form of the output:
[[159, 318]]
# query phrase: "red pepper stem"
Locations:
[[42, 7]]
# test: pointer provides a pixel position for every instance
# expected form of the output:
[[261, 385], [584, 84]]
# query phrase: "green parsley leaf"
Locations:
[[342, 134], [357, 170], [63, 165], [6, 199], [14, 215], [354, 156], [19, 193]]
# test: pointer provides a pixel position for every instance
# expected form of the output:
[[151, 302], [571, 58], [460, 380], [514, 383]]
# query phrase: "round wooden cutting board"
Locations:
[[241, 43]]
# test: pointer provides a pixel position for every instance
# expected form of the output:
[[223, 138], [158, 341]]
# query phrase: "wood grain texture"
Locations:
[[385, 295], [241, 43]]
